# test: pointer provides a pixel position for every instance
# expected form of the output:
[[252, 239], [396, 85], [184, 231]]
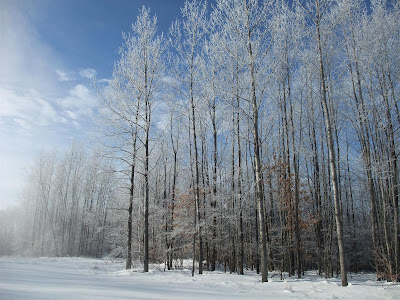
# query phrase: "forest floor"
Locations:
[[86, 278]]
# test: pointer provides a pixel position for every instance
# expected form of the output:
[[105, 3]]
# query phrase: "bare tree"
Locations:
[[188, 38]]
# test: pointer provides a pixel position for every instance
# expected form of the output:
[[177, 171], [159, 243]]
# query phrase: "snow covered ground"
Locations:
[[83, 278]]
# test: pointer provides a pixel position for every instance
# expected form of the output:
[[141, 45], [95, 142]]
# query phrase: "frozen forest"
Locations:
[[252, 136]]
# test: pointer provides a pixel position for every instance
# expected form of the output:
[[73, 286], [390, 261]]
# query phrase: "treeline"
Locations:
[[259, 135], [63, 211]]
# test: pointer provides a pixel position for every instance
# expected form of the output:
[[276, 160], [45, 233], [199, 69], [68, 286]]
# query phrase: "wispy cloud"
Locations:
[[26, 109], [26, 61], [88, 73], [64, 76], [105, 80], [79, 102]]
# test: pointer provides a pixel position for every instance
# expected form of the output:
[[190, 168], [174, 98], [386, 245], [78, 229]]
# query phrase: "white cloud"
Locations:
[[104, 80], [88, 73], [79, 97], [71, 115], [79, 102], [63, 76], [26, 109]]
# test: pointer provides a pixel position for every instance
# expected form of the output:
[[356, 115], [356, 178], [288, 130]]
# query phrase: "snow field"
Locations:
[[86, 278]]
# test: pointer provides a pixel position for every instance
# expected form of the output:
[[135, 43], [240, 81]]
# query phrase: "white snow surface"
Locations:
[[87, 278]]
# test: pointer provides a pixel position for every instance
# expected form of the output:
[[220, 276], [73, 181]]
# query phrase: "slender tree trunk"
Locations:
[[332, 158], [239, 191], [232, 219], [214, 189], [197, 176], [257, 162], [172, 205], [394, 194], [296, 194], [146, 177], [131, 192], [259, 183]]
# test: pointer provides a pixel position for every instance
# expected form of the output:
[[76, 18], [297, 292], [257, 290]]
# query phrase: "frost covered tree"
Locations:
[[246, 24], [128, 106], [187, 38]]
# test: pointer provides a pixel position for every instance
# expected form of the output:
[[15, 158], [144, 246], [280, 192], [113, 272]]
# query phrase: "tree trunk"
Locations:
[[332, 158], [239, 191], [197, 176], [214, 189], [131, 192]]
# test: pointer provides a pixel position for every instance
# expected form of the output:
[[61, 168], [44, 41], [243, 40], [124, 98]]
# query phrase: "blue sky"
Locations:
[[89, 32], [49, 51]]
